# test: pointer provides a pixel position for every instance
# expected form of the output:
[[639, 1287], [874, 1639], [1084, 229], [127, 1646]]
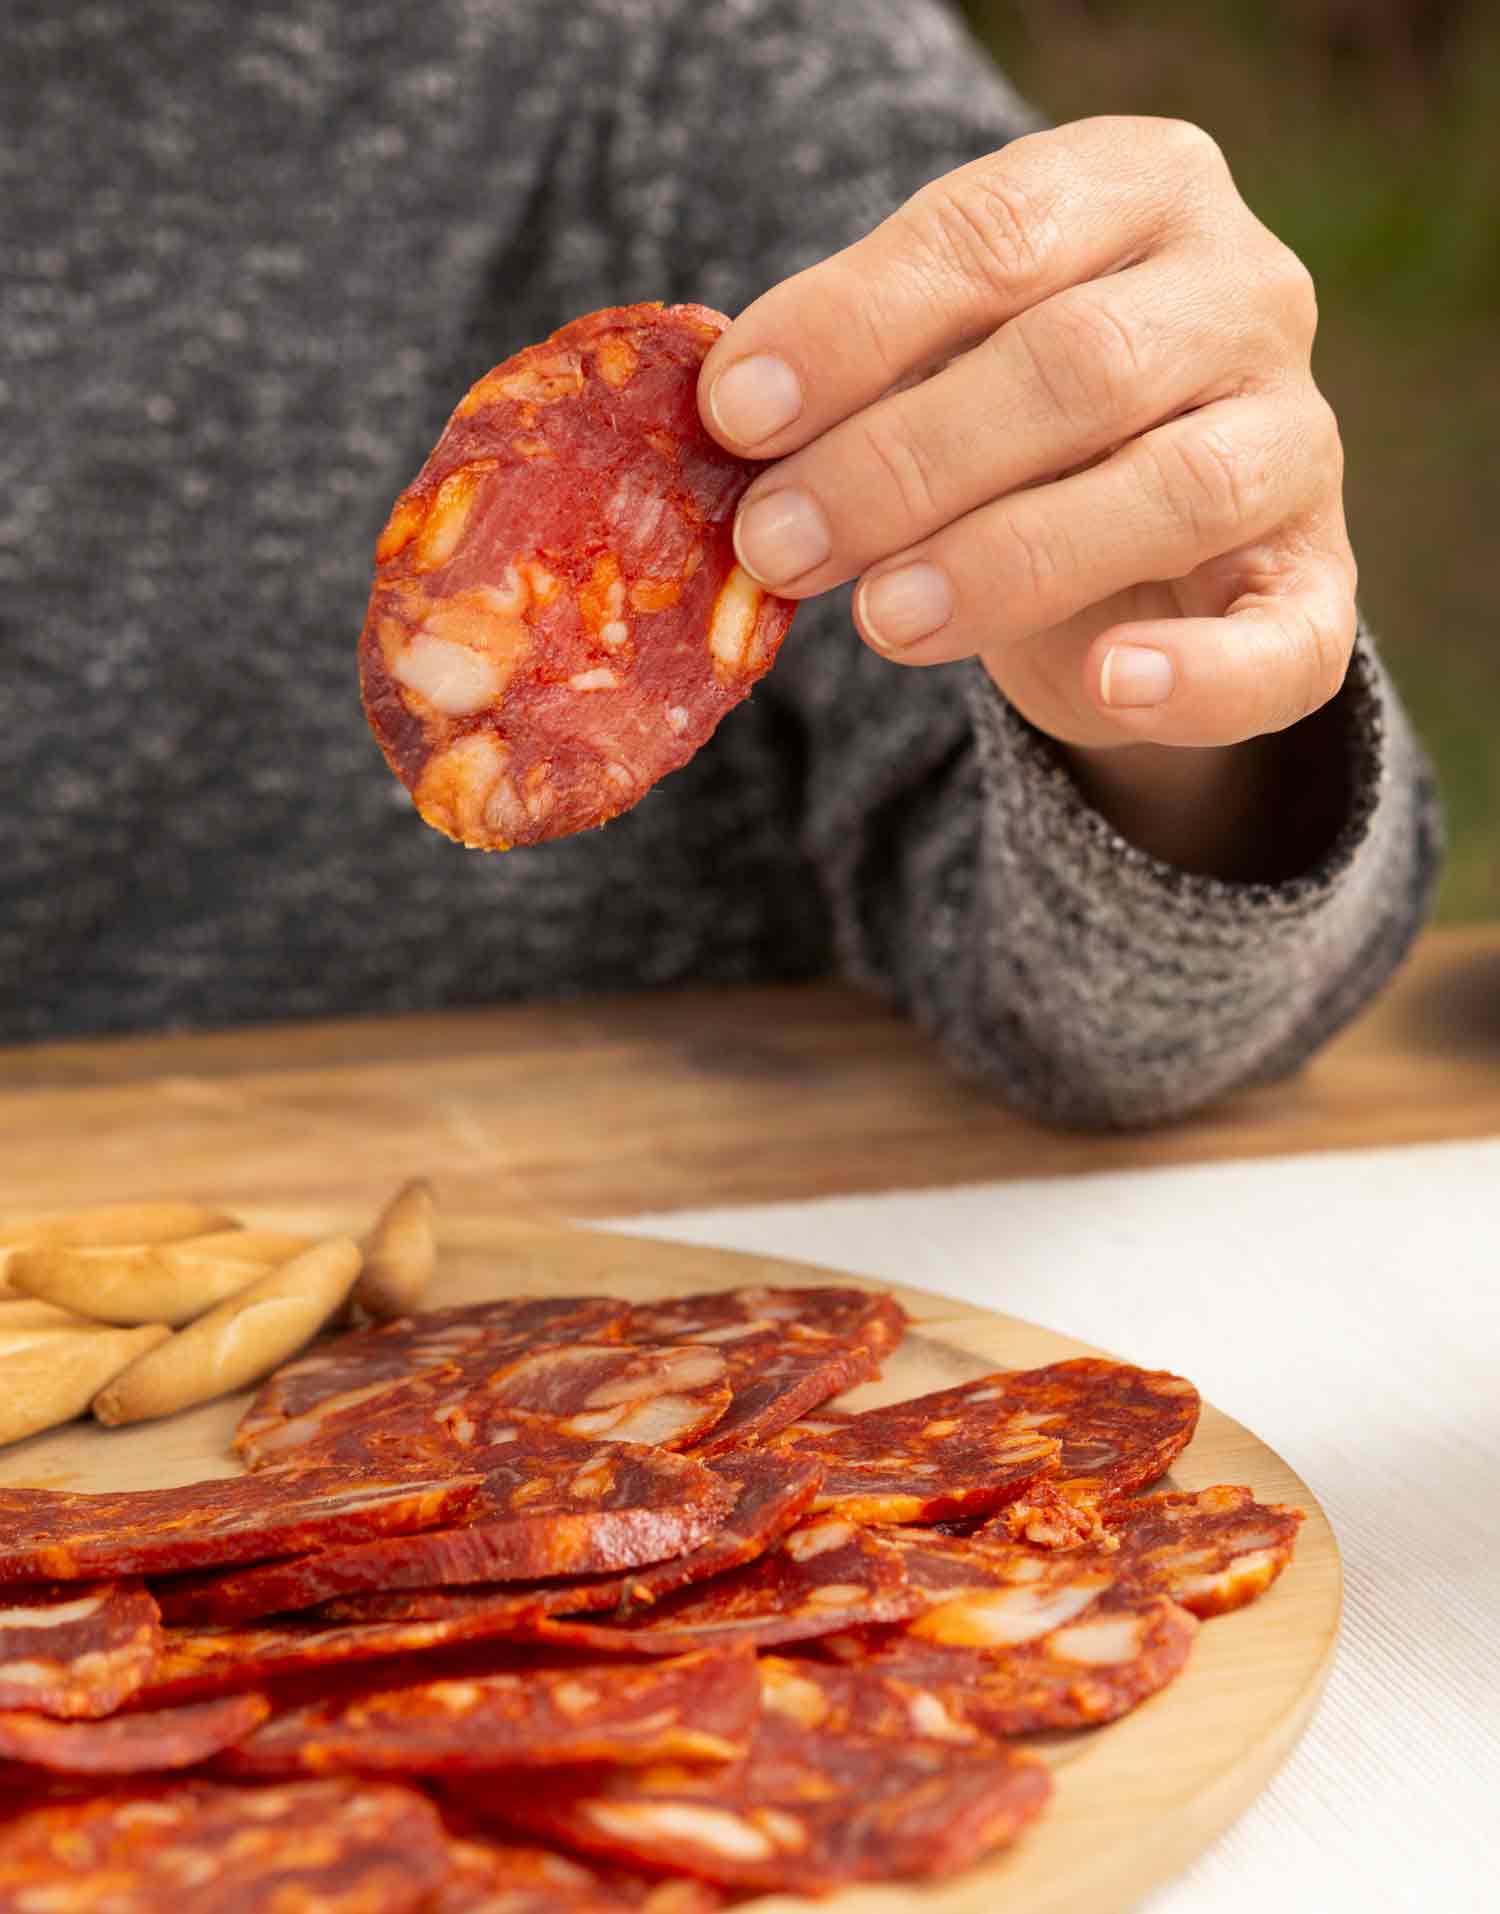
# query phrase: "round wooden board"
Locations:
[[1135, 1801]]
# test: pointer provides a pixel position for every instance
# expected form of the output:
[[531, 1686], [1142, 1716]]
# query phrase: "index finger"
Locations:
[[962, 256]]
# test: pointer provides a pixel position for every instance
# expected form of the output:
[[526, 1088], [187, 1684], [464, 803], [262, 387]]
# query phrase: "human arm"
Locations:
[[967, 839]]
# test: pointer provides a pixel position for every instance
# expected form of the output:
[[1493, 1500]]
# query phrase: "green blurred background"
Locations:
[[1367, 134]]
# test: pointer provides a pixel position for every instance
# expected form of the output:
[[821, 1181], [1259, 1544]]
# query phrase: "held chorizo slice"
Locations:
[[133, 1743], [341, 1846], [772, 1493], [547, 1506], [698, 1707], [359, 1364], [787, 1350], [833, 1791], [557, 619], [78, 1649], [52, 1534]]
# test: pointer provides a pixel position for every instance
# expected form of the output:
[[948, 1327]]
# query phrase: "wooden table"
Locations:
[[675, 1100]]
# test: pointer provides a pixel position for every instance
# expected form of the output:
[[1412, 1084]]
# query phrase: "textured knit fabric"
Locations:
[[250, 256]]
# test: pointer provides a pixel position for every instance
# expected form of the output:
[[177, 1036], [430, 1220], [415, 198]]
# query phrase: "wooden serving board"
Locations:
[[1136, 1800]]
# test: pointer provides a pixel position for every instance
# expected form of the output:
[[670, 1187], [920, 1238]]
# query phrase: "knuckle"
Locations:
[[1296, 291], [1215, 481], [1327, 639], [985, 228], [1086, 353], [1191, 145], [1033, 552], [1328, 439], [910, 466]]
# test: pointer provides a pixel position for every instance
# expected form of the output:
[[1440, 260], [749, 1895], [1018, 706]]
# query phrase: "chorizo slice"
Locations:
[[698, 1707], [1115, 1427], [1120, 1427], [558, 619], [198, 1662], [127, 1744], [941, 1458], [361, 1362], [493, 1877], [57, 1535], [836, 1789], [827, 1575], [664, 1397], [547, 1505], [80, 1649], [787, 1350], [1019, 1639], [1212, 1551], [343, 1846], [771, 1494]]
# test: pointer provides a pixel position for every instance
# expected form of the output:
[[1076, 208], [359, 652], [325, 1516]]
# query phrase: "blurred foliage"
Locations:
[[1367, 134]]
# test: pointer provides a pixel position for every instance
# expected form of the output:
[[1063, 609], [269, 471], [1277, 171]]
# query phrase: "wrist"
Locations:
[[1257, 812]]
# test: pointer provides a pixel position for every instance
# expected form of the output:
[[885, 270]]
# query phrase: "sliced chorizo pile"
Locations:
[[569, 1604]]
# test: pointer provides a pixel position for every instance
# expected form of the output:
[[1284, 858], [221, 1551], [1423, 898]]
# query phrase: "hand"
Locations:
[[1058, 412]]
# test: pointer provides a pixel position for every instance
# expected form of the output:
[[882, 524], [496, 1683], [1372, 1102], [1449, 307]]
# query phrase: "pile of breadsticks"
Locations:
[[137, 1310]]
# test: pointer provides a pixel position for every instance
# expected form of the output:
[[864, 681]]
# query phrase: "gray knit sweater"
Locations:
[[250, 256]]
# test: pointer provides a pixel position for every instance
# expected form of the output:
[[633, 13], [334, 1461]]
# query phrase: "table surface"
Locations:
[[679, 1099], [1343, 1305]]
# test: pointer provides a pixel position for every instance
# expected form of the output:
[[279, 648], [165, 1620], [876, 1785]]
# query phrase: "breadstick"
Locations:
[[58, 1374], [400, 1253], [240, 1341], [23, 1312], [105, 1224], [264, 1246], [147, 1283]]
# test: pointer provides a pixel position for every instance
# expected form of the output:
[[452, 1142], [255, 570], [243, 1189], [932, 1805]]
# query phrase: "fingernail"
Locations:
[[1135, 675], [781, 535], [899, 607], [754, 398]]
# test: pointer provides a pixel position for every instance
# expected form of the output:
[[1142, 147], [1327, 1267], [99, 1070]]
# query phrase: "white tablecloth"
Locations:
[[1346, 1307]]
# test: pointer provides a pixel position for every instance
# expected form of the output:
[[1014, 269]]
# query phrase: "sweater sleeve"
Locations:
[[967, 877]]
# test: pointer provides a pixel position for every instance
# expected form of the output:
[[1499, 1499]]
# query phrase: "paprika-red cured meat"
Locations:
[[1019, 1639], [340, 1846], [833, 1791], [659, 1395], [1117, 1427], [935, 1459], [1120, 1427], [696, 1708], [76, 1649], [558, 619], [132, 1743], [358, 1365], [52, 1534], [548, 1505], [1211, 1552], [826, 1575], [196, 1662], [787, 1349], [771, 1493], [492, 1877]]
